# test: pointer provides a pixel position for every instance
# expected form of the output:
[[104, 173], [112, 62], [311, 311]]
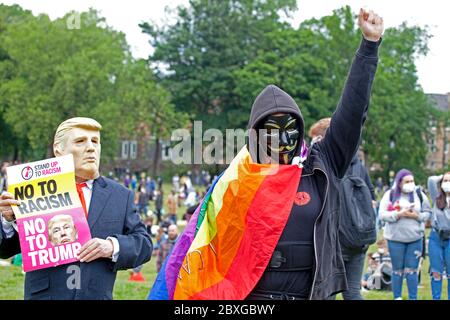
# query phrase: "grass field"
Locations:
[[11, 285], [12, 278]]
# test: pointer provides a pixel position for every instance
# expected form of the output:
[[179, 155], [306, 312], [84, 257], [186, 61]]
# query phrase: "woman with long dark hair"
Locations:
[[439, 240]]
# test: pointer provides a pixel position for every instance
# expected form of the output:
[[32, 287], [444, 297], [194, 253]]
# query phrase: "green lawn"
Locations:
[[11, 285], [126, 290], [11, 278]]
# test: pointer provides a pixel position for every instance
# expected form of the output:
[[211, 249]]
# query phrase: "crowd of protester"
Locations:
[[164, 214], [404, 211]]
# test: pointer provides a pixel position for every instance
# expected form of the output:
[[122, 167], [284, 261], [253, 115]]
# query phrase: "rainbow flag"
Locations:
[[230, 238]]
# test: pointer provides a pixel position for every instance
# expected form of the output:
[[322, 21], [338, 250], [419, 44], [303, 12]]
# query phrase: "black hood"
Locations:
[[272, 100]]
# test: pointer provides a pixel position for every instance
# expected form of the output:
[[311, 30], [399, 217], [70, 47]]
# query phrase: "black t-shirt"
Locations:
[[299, 229]]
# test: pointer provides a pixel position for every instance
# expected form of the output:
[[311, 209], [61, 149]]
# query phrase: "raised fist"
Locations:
[[371, 25]]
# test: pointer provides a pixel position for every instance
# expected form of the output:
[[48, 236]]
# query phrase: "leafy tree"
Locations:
[[147, 107], [50, 72], [312, 62], [58, 73], [397, 125], [209, 42], [9, 142]]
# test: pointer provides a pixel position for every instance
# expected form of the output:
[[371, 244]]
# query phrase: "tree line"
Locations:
[[208, 65]]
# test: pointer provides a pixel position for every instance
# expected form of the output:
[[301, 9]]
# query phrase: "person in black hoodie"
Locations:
[[307, 261]]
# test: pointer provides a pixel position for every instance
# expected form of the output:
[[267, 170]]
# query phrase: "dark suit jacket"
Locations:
[[111, 213]]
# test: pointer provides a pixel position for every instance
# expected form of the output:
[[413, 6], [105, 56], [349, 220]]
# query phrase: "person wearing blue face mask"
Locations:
[[405, 209]]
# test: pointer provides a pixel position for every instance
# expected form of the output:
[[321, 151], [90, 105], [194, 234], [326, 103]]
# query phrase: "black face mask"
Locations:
[[285, 129]]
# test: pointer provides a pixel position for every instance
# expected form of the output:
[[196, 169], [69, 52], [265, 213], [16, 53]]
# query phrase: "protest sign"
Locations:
[[51, 221]]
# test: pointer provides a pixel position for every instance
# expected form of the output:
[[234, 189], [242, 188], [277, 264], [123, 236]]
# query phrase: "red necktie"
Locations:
[[81, 195]]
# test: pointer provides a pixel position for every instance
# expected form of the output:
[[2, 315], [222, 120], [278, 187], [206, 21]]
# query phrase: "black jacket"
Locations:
[[328, 160]]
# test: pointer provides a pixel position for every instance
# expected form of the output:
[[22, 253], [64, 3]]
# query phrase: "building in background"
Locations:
[[439, 134]]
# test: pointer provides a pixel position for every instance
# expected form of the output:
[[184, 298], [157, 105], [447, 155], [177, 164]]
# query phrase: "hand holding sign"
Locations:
[[6, 201], [94, 249]]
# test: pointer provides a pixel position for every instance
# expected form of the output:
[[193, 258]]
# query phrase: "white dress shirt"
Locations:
[[87, 193]]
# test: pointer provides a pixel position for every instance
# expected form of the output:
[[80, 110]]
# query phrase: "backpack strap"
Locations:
[[351, 169], [419, 194], [360, 166]]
